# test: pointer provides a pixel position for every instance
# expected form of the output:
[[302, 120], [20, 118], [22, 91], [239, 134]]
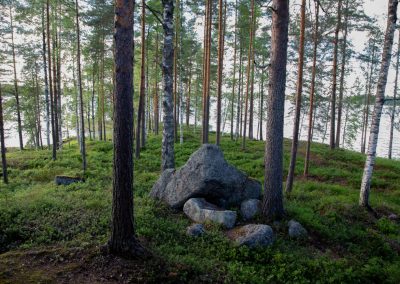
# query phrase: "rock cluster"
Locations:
[[207, 188]]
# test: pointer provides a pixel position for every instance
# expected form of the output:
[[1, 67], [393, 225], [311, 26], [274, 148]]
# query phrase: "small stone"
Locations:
[[195, 230], [252, 235], [199, 210], [296, 230], [250, 208], [65, 180], [393, 217]]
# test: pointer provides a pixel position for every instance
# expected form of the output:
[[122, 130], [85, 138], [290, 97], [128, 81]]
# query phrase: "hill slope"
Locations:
[[52, 234]]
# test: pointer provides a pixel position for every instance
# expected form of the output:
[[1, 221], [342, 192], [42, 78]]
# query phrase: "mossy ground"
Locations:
[[41, 222]]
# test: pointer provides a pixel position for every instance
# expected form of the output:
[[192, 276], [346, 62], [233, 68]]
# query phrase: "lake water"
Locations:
[[382, 151]]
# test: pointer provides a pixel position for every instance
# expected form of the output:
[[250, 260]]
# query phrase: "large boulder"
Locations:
[[201, 211], [252, 235], [206, 174]]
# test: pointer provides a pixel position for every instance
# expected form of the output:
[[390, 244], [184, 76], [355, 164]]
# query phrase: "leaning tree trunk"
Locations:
[[167, 153], [3, 145], [295, 141], [82, 119], [21, 142], [272, 205], [334, 77], [392, 114], [123, 240], [342, 70], [313, 75], [220, 69], [379, 101]]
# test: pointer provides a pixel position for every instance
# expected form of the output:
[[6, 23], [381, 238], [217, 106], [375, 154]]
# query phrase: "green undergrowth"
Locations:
[[346, 243]]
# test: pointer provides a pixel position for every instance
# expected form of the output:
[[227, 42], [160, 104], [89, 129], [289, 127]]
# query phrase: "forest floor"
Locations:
[[52, 234]]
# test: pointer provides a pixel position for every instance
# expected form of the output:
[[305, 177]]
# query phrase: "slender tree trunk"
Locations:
[[46, 82], [156, 98], [393, 112], [123, 241], [189, 93], [206, 76], [312, 92], [93, 94], [3, 145], [176, 108], [248, 78], [53, 133], [81, 107], [167, 153], [272, 205], [334, 77], [220, 68], [379, 101], [55, 89], [140, 121], [239, 103], [234, 71], [368, 102], [21, 143], [180, 73], [251, 111], [342, 73], [38, 109], [295, 141], [262, 102]]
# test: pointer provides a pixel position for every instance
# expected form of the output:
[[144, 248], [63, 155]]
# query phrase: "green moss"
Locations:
[[346, 244]]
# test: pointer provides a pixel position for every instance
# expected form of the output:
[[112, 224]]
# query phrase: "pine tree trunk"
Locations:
[[123, 241], [53, 133], [296, 124], [21, 142], [46, 82], [176, 109], [206, 75], [239, 101], [251, 111], [393, 112], [262, 102], [156, 98], [2, 144], [93, 94], [168, 155], [140, 113], [220, 68], [248, 77], [342, 73], [189, 93], [379, 101], [272, 205], [312, 92], [55, 89], [81, 107], [334, 77], [234, 71]]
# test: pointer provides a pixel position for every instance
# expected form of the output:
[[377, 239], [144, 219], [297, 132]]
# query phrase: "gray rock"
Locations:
[[296, 230], [393, 217], [206, 174], [199, 210], [250, 208], [64, 180], [195, 230], [252, 235], [162, 182]]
